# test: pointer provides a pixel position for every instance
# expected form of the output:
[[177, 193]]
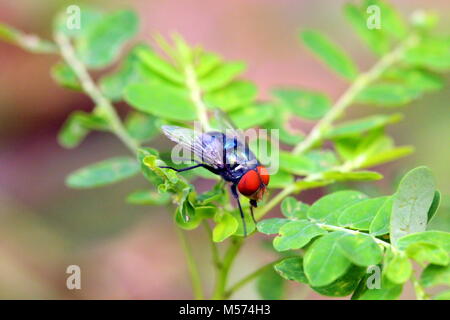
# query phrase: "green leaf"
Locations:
[[101, 43], [159, 66], [280, 121], [432, 53], [142, 127], [435, 275], [299, 165], [353, 175], [250, 224], [425, 253], [251, 116], [387, 94], [360, 215], [328, 208], [225, 227], [294, 209], [281, 179], [434, 205], [330, 54], [412, 202], [380, 224], [233, 96], [89, 17], [206, 63], [130, 71], [303, 103], [376, 39], [103, 173], [387, 156], [398, 268], [291, 269], [343, 286], [161, 101], [221, 76], [357, 127], [324, 262], [391, 21], [77, 126], [148, 173], [418, 79], [147, 197], [296, 234], [65, 76], [388, 291], [323, 160], [271, 226], [270, 285], [439, 238], [360, 249]]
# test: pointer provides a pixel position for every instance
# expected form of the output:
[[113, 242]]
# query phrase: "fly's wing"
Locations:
[[208, 151], [236, 145], [227, 126]]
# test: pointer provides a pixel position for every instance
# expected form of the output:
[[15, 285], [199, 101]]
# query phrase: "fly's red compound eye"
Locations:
[[265, 177], [249, 183]]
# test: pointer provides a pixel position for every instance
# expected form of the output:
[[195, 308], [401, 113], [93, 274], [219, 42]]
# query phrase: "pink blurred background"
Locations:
[[126, 251]]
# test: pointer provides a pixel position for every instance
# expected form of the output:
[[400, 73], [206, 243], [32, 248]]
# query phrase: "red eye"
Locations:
[[249, 183], [265, 177]]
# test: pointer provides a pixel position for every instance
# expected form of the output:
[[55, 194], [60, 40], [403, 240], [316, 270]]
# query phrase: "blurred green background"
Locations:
[[126, 251]]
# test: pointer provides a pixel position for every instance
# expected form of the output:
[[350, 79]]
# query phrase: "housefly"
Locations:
[[227, 155]]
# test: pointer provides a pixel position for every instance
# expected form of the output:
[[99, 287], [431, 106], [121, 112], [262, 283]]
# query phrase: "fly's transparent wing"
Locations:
[[207, 148], [226, 125]]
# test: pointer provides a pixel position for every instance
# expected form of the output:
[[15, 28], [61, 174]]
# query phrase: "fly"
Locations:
[[228, 156]]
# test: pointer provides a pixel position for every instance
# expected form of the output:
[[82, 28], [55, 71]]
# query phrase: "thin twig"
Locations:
[[88, 85], [192, 266]]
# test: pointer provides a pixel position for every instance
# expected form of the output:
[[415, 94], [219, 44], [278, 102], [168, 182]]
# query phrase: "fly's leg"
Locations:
[[236, 196], [184, 169], [253, 204]]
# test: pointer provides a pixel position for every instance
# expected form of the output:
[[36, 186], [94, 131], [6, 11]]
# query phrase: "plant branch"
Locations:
[[420, 291], [196, 96], [214, 250], [88, 85], [230, 255], [345, 101], [336, 228], [192, 266], [249, 278]]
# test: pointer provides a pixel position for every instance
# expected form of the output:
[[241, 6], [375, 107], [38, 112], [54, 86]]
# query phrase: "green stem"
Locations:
[[88, 85], [223, 271], [214, 250], [336, 228], [196, 96], [420, 291], [362, 81], [249, 278], [192, 266]]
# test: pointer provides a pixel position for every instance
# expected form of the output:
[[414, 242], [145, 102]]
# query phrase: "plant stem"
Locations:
[[88, 85], [196, 96], [223, 271], [336, 228], [214, 250], [249, 278], [361, 82], [420, 291], [192, 266]]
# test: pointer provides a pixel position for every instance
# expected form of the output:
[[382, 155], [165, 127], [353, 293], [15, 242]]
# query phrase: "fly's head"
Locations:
[[254, 182]]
